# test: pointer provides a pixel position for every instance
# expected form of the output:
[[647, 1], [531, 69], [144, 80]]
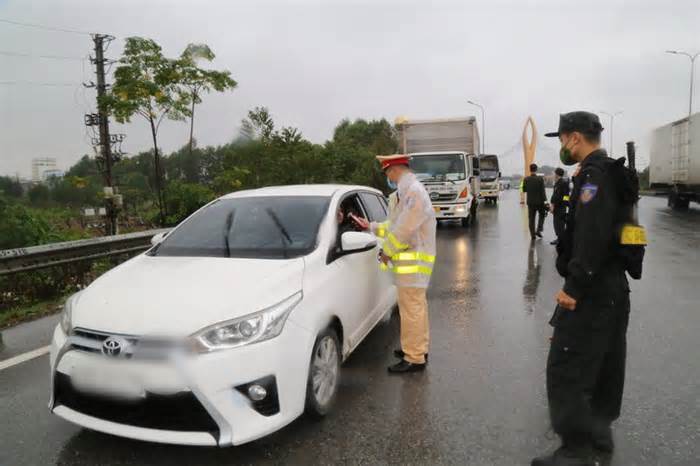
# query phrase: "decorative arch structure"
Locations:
[[529, 148]]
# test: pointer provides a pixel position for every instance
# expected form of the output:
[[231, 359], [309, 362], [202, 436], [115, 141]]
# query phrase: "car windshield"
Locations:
[[439, 167], [272, 227]]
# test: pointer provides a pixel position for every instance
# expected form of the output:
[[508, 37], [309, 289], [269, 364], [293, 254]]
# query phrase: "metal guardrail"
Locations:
[[55, 254]]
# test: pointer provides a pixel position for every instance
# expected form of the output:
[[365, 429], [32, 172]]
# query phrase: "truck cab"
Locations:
[[452, 181], [490, 177]]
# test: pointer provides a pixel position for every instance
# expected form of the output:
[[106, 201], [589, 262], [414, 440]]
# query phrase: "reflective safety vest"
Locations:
[[407, 262], [409, 235]]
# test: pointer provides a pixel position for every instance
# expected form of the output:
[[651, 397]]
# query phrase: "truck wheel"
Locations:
[[678, 202]]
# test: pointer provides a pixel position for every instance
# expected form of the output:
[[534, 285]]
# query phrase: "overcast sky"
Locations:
[[316, 62]]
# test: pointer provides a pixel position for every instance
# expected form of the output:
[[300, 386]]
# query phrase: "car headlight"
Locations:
[[246, 330], [67, 315]]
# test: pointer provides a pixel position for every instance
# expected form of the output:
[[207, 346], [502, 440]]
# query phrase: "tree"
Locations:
[[39, 194], [199, 81], [149, 85], [10, 186], [644, 179], [184, 199], [258, 125]]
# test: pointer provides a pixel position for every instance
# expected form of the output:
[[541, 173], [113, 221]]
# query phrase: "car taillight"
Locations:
[[464, 193]]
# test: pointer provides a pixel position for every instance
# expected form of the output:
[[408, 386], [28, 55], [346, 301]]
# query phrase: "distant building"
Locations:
[[53, 173], [40, 165]]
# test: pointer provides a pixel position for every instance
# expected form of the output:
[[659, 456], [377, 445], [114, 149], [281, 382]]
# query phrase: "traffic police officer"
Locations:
[[586, 363], [559, 202], [408, 252]]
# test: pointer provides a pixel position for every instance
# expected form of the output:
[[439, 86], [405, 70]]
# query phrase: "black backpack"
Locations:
[[631, 237]]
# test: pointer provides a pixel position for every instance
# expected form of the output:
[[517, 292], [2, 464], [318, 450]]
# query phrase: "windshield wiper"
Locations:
[[282, 230], [229, 222]]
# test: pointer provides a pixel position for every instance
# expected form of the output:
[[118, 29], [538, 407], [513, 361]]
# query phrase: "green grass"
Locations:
[[18, 315]]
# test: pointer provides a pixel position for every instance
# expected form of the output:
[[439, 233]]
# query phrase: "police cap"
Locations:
[[582, 122]]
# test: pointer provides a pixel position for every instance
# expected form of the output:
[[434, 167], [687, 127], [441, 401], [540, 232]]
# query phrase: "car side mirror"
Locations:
[[500, 175], [476, 172], [158, 238], [356, 241]]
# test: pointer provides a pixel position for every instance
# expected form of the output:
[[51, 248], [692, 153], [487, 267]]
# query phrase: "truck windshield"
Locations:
[[439, 167], [489, 167]]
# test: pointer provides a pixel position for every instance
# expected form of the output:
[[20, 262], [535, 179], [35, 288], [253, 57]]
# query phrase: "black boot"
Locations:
[[567, 457], [400, 354], [405, 366], [602, 438]]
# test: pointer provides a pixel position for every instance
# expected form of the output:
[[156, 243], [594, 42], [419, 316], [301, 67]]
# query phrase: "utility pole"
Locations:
[[105, 158], [483, 126], [692, 76], [612, 127]]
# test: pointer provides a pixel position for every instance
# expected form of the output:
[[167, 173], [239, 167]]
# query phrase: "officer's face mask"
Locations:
[[391, 184], [565, 155]]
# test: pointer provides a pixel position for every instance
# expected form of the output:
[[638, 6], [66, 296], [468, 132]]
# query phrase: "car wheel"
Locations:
[[324, 374]]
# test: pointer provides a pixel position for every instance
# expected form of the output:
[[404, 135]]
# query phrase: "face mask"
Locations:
[[391, 184], [565, 156]]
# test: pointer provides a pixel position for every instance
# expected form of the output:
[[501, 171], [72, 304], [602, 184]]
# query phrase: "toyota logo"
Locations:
[[113, 346], [434, 196]]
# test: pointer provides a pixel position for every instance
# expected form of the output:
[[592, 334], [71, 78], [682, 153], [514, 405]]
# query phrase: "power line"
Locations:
[[46, 28], [37, 83], [29, 55]]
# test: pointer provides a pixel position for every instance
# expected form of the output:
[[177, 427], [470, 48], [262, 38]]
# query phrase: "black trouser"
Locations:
[[559, 217], [586, 366], [531, 211]]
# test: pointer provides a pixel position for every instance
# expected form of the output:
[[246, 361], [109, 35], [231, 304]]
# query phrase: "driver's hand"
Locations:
[[362, 223], [565, 301]]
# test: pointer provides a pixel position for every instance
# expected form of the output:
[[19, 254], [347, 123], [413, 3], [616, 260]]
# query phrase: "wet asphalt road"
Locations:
[[482, 399]]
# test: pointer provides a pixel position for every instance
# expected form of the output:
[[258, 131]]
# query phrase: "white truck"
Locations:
[[674, 164], [444, 154], [490, 178]]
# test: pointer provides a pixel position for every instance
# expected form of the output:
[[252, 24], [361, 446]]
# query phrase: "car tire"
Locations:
[[324, 374]]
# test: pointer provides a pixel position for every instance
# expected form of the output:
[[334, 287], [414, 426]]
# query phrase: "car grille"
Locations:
[[142, 348], [181, 412]]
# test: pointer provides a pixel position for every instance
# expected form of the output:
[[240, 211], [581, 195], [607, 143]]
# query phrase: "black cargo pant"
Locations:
[[586, 366], [532, 210], [559, 218]]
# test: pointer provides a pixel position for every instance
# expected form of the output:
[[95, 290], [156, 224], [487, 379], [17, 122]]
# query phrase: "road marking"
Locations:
[[23, 357]]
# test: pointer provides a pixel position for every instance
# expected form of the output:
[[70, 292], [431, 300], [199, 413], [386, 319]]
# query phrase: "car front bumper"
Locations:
[[448, 211], [489, 194], [207, 389]]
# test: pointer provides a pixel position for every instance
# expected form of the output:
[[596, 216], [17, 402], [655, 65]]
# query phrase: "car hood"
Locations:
[[177, 296]]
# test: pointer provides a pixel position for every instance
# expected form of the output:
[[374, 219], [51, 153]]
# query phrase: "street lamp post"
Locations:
[[692, 72], [612, 125], [483, 126]]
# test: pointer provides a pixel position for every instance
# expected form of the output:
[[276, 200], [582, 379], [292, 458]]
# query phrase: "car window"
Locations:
[[272, 227], [375, 207], [349, 205]]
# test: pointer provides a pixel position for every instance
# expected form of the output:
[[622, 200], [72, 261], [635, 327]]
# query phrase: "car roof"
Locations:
[[325, 190], [438, 152]]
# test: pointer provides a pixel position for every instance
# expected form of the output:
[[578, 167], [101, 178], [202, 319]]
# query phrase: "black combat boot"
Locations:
[[602, 437], [400, 354], [567, 456], [404, 367]]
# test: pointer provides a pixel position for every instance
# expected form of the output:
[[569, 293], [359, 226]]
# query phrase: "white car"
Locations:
[[231, 325]]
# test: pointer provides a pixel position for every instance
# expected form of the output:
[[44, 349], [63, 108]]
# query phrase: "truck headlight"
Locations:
[[67, 315], [246, 330]]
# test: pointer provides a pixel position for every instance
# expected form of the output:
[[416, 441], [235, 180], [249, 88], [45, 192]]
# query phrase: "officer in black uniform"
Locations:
[[586, 363], [533, 187], [559, 202]]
